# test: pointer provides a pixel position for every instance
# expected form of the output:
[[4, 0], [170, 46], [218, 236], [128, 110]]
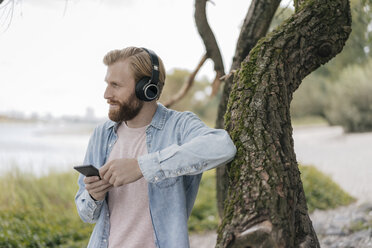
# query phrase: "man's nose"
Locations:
[[107, 94]]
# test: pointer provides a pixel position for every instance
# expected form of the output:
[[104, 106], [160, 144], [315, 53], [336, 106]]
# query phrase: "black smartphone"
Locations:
[[87, 170]]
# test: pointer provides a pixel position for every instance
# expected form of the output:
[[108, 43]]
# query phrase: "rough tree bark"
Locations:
[[255, 26], [266, 204]]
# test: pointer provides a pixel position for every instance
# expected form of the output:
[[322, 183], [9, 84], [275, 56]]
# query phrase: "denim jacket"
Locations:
[[180, 147]]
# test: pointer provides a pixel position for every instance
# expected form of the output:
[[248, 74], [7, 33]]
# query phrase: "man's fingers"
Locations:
[[108, 175], [99, 189], [104, 169], [112, 180], [117, 184], [93, 179], [96, 184]]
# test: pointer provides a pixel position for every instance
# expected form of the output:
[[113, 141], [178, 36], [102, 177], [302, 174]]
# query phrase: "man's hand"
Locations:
[[121, 171], [97, 188]]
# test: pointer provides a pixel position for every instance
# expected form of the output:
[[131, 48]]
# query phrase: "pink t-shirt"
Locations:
[[130, 221]]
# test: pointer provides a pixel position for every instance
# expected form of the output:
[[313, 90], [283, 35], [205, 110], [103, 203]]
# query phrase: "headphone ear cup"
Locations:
[[140, 93]]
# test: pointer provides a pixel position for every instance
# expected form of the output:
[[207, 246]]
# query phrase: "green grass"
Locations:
[[40, 212], [359, 226], [320, 191], [309, 121], [204, 215]]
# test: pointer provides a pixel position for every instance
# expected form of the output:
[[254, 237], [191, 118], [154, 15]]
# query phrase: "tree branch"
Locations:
[[187, 85], [209, 40], [264, 177]]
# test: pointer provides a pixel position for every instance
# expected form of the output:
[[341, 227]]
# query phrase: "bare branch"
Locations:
[[208, 37], [6, 3], [7, 11], [187, 85], [65, 10], [216, 83]]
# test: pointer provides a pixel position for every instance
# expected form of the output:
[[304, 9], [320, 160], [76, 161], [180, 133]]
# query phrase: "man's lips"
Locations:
[[113, 104]]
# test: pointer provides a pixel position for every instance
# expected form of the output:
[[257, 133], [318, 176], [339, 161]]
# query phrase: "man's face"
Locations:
[[120, 92]]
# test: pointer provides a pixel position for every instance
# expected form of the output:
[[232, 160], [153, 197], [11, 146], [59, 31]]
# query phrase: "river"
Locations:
[[40, 148]]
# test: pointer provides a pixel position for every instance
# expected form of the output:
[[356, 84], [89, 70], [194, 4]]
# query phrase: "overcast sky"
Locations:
[[51, 54]]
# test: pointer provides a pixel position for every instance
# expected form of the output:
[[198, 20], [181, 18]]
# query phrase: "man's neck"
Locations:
[[145, 116]]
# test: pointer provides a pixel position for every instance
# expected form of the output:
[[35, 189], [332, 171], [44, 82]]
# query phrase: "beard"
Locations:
[[127, 110]]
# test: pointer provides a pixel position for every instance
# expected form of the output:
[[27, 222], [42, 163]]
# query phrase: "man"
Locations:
[[150, 159]]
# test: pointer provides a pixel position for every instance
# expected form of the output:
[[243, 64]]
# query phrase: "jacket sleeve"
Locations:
[[88, 209], [203, 148]]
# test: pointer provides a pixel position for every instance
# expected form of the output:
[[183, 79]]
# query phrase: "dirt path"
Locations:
[[347, 158]]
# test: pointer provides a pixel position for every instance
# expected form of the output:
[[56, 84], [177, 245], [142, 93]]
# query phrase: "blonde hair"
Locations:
[[139, 63]]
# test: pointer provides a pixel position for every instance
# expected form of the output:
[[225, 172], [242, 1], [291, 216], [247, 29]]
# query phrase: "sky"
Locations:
[[51, 51]]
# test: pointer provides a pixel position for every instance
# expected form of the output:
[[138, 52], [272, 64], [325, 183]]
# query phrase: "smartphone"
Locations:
[[87, 170]]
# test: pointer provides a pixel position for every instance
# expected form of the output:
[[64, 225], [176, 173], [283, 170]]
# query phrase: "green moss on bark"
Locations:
[[264, 182]]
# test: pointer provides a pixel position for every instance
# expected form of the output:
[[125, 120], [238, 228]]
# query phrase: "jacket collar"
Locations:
[[158, 120]]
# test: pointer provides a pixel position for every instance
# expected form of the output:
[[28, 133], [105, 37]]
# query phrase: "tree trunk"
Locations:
[[255, 26], [266, 204]]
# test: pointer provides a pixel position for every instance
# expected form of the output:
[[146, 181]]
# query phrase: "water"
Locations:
[[40, 148]]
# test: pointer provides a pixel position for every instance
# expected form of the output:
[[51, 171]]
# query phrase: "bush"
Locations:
[[40, 212], [204, 215], [350, 99], [346, 102], [310, 99], [320, 191]]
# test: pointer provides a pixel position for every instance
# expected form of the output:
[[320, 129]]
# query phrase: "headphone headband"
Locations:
[[154, 66]]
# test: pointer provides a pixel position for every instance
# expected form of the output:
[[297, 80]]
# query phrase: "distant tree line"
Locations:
[[341, 91]]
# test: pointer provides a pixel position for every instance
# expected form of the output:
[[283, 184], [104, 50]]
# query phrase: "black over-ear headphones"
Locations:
[[147, 88]]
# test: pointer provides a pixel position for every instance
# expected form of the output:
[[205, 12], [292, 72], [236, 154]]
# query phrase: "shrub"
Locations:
[[350, 99], [320, 191], [204, 215], [40, 212], [310, 99]]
